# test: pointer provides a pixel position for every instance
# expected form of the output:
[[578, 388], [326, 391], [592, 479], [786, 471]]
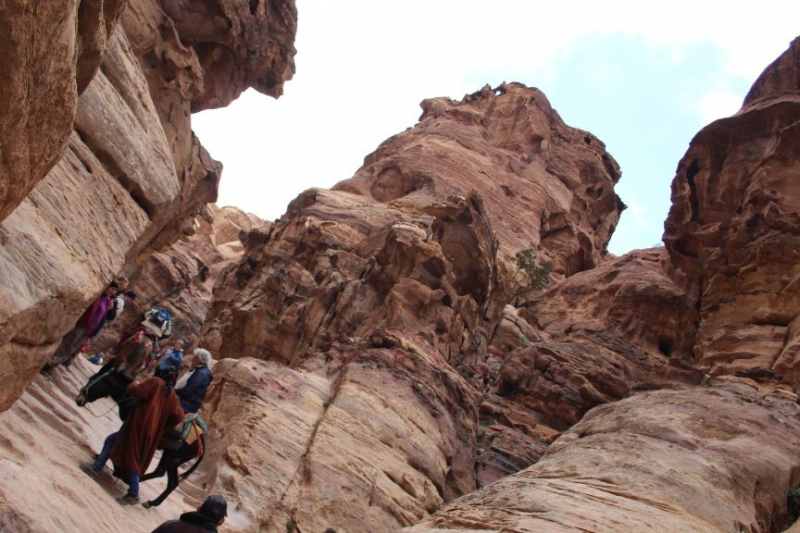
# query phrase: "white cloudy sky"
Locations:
[[642, 76]]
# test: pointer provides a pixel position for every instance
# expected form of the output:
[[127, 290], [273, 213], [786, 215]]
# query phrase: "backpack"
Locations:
[[160, 316], [113, 309]]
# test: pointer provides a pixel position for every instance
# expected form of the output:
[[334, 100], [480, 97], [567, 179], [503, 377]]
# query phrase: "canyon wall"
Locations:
[[407, 269], [717, 454], [734, 229], [118, 172], [384, 363]]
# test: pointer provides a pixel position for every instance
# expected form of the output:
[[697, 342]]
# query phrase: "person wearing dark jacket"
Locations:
[[206, 519], [194, 392]]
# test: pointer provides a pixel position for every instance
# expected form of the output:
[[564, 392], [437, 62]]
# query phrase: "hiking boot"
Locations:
[[128, 499], [91, 472]]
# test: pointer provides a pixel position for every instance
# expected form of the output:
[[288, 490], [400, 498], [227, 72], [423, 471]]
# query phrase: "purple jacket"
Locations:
[[93, 317]]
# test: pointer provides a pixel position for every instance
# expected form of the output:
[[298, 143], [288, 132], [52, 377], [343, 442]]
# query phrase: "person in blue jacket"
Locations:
[[193, 393]]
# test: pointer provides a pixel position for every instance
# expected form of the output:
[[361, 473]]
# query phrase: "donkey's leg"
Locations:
[[160, 470], [172, 484]]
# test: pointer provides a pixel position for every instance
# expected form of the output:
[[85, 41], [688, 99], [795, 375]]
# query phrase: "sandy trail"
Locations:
[[44, 437]]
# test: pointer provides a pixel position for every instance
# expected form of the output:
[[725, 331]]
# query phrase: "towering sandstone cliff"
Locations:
[[384, 364], [717, 457], [92, 185]]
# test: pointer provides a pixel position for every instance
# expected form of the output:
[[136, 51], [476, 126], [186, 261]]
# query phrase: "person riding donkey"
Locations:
[[138, 342], [132, 448]]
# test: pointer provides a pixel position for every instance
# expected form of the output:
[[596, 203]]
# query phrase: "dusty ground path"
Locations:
[[44, 437]]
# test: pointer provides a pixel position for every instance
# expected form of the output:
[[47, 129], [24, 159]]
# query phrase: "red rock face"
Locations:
[[545, 185], [239, 44], [706, 459], [341, 266], [367, 436], [595, 338], [733, 228], [420, 239], [48, 54], [413, 255], [132, 176], [381, 357]]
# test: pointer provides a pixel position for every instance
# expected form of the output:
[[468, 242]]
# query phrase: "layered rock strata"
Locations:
[[133, 175], [48, 56], [545, 185], [418, 244], [625, 326], [734, 229], [422, 237], [364, 437], [707, 459]]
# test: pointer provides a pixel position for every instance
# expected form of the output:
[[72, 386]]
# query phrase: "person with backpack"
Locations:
[[159, 321], [89, 323], [208, 517], [115, 309], [132, 448], [193, 392]]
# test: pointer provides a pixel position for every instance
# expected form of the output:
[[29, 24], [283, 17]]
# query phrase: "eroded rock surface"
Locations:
[[422, 237], [48, 56], [707, 459], [419, 242], [384, 356], [595, 338], [363, 438], [546, 185], [734, 229], [133, 176]]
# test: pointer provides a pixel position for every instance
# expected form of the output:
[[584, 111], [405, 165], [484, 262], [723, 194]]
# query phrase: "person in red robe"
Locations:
[[132, 448]]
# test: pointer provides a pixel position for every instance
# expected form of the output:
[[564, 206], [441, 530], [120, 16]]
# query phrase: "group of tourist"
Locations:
[[167, 387]]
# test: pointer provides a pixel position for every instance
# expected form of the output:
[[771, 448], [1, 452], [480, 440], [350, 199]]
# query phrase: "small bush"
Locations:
[[538, 272]]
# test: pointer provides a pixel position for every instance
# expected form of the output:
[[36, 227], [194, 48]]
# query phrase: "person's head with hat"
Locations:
[[215, 507], [206, 519]]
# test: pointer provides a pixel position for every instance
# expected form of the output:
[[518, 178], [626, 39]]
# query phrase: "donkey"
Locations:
[[111, 381]]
